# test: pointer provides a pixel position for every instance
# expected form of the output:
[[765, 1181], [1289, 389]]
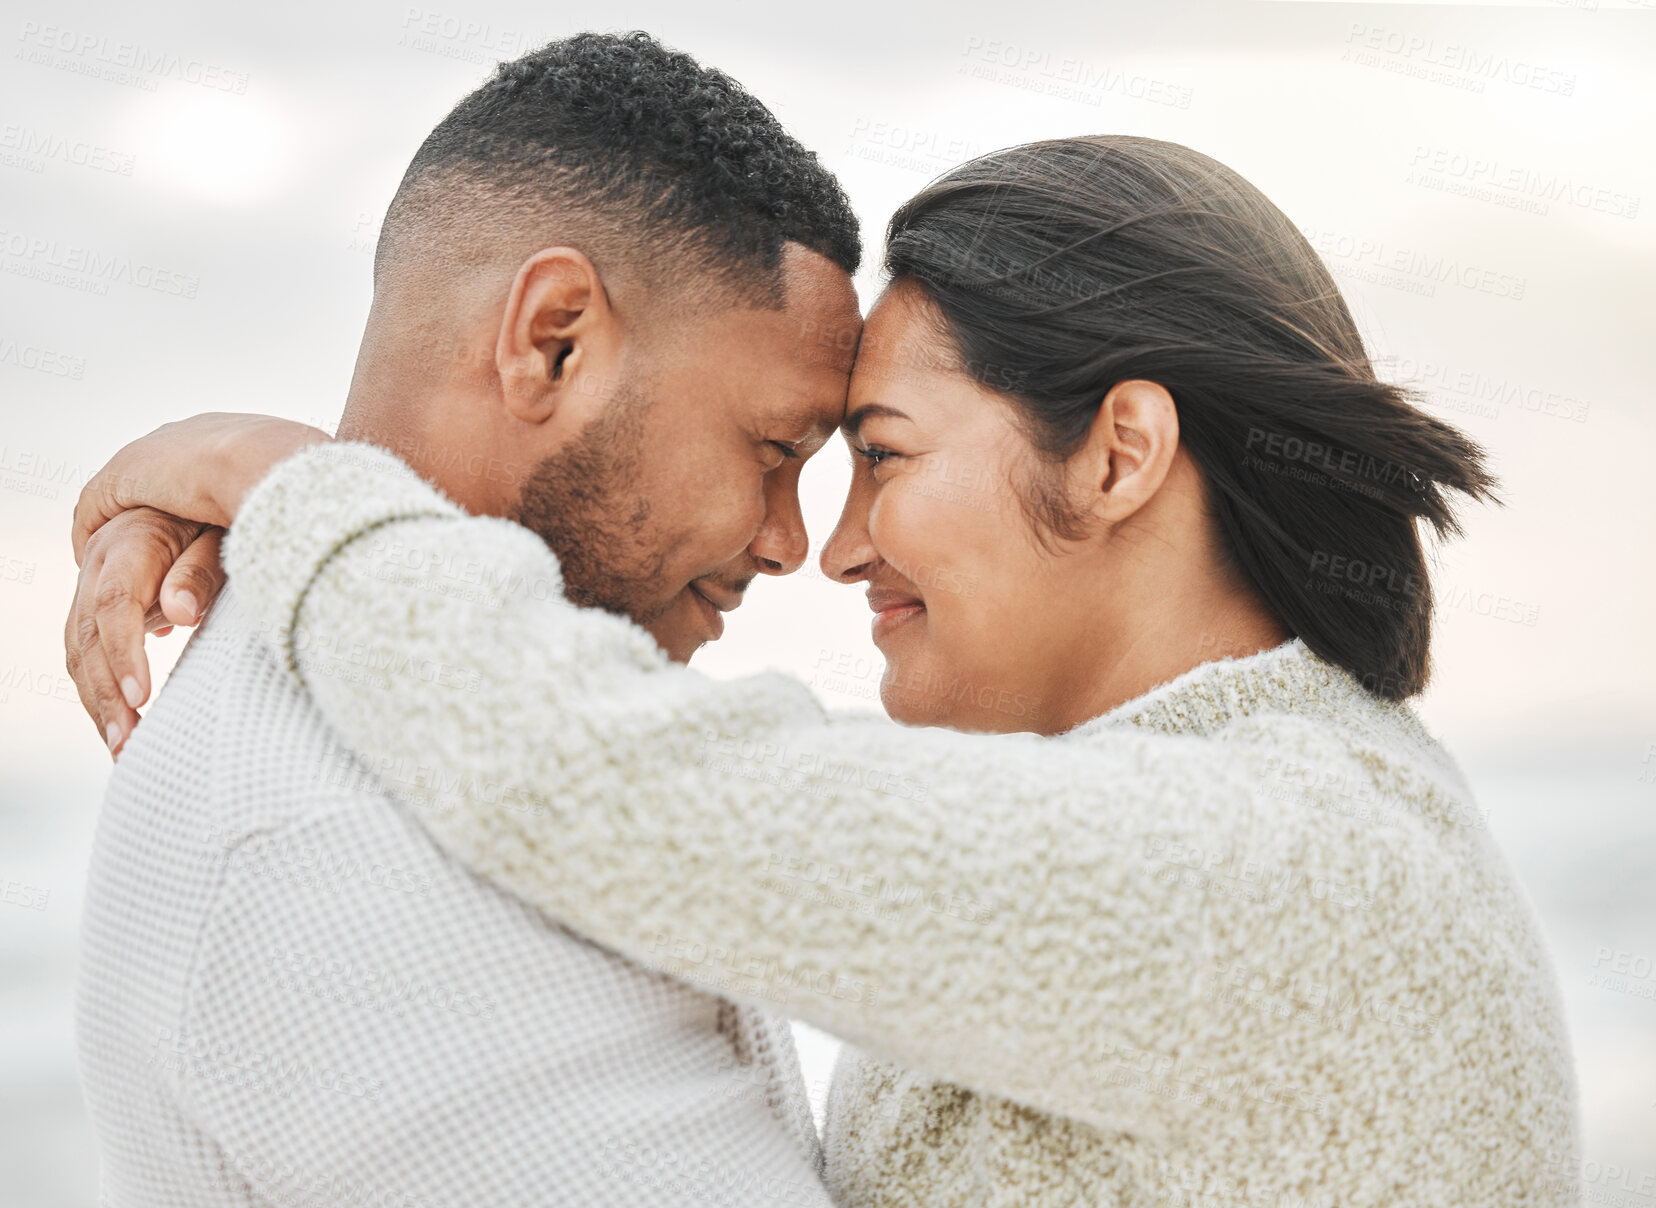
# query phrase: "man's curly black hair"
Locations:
[[658, 162]]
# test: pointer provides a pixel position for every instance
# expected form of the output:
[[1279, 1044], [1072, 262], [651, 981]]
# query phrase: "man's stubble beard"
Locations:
[[583, 503]]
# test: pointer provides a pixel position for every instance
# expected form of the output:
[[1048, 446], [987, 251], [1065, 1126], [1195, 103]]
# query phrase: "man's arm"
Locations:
[[984, 909]]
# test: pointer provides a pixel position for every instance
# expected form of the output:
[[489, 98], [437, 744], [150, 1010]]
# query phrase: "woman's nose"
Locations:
[[849, 552]]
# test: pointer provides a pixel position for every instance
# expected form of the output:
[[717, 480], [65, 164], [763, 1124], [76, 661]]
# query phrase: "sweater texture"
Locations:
[[1244, 940]]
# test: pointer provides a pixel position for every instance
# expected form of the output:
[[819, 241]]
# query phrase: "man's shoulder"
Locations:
[[231, 744]]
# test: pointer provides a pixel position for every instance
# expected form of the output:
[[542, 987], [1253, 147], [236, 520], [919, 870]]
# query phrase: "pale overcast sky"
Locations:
[[1480, 178]]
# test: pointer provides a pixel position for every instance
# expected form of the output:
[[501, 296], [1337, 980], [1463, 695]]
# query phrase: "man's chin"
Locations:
[[681, 650], [681, 630]]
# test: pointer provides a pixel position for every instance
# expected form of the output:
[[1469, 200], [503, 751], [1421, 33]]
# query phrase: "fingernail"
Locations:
[[191, 606], [112, 735], [133, 693]]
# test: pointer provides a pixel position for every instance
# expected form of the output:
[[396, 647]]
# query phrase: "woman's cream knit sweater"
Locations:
[[1243, 941]]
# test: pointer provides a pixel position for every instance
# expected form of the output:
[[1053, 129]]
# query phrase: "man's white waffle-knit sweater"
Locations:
[[1243, 941], [290, 995]]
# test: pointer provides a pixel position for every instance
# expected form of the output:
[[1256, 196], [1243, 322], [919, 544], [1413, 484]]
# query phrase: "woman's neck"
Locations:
[[1181, 627]]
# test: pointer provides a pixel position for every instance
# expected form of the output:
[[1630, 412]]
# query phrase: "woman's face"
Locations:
[[978, 619]]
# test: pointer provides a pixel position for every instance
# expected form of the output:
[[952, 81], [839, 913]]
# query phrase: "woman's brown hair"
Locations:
[[1061, 268]]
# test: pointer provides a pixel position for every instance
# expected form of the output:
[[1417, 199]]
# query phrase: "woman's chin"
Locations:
[[918, 692], [911, 708]]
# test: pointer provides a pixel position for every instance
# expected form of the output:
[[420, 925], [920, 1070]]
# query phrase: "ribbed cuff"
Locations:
[[303, 512]]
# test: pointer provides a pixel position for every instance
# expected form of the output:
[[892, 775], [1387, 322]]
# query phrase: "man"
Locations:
[[603, 296]]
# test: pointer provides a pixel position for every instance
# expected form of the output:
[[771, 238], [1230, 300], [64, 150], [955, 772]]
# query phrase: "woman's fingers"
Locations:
[[100, 695], [115, 600], [194, 581], [140, 554]]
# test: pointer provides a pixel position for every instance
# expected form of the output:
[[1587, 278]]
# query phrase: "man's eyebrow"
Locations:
[[809, 420], [855, 419]]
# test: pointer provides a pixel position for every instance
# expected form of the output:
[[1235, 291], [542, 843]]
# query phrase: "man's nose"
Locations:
[[781, 545]]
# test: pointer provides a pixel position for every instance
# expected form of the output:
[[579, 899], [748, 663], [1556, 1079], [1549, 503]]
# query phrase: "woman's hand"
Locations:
[[144, 572], [147, 529], [196, 469]]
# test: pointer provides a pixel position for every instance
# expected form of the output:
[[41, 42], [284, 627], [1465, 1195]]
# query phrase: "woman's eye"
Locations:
[[874, 454], [788, 451]]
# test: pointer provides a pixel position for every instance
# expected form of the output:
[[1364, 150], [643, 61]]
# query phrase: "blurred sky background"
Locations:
[[1481, 178]]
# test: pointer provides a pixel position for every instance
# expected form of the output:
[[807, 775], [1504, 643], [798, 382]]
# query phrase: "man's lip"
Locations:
[[724, 601], [710, 612]]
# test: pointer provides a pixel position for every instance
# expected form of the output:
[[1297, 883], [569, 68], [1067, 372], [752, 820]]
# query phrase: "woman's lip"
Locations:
[[714, 618], [890, 618]]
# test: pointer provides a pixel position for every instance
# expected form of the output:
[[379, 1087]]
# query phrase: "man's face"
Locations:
[[686, 487]]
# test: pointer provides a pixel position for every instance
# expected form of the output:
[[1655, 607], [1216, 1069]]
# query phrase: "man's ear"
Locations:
[[1129, 449], [557, 328]]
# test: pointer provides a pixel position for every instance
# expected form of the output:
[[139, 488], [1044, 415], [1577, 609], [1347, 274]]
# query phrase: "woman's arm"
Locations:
[[146, 538], [989, 910]]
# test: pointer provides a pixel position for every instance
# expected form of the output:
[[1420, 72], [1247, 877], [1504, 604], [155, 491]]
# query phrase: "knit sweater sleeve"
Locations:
[[992, 910]]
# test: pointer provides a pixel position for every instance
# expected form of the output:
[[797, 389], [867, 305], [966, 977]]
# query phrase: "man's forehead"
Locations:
[[816, 411], [824, 351]]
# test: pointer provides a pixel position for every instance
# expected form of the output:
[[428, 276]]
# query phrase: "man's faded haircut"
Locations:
[[651, 164]]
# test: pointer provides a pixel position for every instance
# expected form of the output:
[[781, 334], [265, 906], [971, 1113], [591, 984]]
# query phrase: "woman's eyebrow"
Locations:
[[854, 420]]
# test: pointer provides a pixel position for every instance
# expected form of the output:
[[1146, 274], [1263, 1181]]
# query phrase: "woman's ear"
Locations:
[[1128, 451], [556, 328]]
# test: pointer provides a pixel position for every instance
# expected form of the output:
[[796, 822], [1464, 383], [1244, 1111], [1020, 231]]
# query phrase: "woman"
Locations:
[[1151, 923]]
